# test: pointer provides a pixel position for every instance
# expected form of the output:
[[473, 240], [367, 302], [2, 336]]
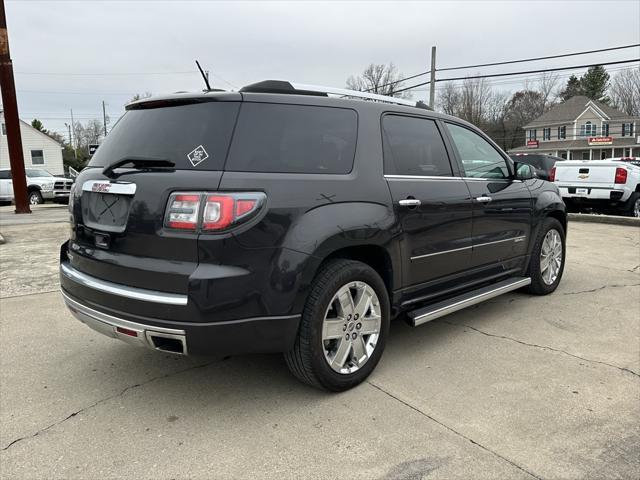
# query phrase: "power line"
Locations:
[[509, 62], [533, 59], [557, 69]]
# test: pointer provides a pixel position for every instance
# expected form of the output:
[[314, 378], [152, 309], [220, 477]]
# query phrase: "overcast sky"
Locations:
[[74, 54]]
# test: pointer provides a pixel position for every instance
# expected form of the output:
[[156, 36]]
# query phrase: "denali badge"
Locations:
[[197, 155], [101, 187]]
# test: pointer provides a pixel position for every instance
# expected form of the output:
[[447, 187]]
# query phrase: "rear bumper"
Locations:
[[593, 193], [246, 335]]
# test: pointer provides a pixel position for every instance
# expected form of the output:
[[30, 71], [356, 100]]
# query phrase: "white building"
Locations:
[[39, 150]]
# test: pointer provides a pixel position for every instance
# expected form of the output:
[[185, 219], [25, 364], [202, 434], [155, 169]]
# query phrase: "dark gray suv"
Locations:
[[280, 219]]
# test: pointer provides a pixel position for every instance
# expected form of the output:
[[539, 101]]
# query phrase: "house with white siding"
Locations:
[[39, 150], [583, 129]]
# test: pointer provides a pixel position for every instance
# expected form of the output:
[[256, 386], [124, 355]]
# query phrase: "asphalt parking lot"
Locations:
[[517, 387]]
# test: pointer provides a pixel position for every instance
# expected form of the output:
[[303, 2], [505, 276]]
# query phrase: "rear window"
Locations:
[[293, 139], [193, 136]]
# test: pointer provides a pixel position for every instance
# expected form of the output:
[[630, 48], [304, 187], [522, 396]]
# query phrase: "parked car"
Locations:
[[41, 186], [279, 219], [542, 164], [611, 185]]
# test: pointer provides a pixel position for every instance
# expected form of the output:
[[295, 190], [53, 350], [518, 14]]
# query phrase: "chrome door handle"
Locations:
[[483, 199], [410, 202]]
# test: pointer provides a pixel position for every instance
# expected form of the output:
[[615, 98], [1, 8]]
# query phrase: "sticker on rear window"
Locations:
[[197, 155]]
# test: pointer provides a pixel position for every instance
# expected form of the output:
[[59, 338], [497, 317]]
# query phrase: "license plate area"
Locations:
[[582, 191], [107, 212]]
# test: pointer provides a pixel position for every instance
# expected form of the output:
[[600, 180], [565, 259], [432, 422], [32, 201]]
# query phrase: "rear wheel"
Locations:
[[35, 197], [343, 328], [632, 206], [547, 258]]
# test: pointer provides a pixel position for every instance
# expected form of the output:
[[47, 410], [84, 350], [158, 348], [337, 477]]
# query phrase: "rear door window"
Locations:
[[413, 146], [193, 136], [293, 139]]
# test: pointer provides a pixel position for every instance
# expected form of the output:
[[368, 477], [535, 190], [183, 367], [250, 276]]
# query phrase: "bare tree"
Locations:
[[89, 133], [475, 98], [380, 79], [140, 96], [625, 91], [449, 99], [547, 85]]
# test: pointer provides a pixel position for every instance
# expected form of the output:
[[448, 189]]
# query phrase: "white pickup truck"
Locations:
[[609, 185]]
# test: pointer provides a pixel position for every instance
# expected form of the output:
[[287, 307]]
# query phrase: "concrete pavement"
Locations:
[[517, 387]]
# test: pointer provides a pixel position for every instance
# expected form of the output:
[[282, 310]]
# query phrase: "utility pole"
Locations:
[[70, 137], [432, 82], [12, 122], [104, 118], [74, 137]]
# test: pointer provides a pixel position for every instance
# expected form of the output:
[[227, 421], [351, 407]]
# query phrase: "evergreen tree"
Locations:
[[572, 89], [595, 83]]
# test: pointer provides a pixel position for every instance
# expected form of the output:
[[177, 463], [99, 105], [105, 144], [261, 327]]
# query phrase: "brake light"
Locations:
[[182, 211], [211, 212], [552, 174], [621, 175]]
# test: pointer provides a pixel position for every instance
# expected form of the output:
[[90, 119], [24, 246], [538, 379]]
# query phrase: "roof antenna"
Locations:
[[204, 76]]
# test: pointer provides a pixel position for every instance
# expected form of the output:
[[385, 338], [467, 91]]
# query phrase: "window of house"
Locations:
[[588, 130], [562, 132], [37, 157], [479, 158], [4, 129], [546, 134], [413, 146], [605, 129], [532, 134], [627, 129]]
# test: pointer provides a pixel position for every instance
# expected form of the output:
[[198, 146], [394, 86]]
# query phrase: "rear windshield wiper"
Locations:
[[138, 162]]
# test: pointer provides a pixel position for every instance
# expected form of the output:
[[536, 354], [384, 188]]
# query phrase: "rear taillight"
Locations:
[[183, 211], [211, 212], [552, 174], [621, 175]]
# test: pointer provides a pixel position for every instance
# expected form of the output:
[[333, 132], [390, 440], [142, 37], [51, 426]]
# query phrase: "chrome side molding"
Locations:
[[440, 309], [121, 290]]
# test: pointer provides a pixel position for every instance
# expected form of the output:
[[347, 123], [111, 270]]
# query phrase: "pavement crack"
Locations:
[[632, 270], [454, 431], [99, 402], [544, 347], [602, 288]]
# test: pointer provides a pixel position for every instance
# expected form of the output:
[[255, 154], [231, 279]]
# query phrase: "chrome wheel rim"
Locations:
[[33, 199], [351, 327], [551, 257], [636, 208]]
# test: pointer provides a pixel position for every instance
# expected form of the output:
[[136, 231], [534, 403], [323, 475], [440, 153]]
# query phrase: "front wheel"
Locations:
[[343, 328], [35, 198], [547, 258]]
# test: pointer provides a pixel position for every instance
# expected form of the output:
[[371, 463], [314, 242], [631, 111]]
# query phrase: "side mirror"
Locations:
[[524, 171]]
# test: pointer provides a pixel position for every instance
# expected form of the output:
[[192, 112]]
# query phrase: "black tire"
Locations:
[[35, 197], [538, 286], [630, 209], [307, 359]]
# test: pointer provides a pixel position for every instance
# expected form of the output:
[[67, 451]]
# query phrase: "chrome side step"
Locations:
[[445, 307]]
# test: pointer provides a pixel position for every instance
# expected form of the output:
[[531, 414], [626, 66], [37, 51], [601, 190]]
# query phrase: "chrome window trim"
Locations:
[[121, 290], [422, 177], [518, 239], [109, 187]]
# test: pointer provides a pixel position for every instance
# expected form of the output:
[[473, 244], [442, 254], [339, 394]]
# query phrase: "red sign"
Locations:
[[600, 140], [532, 143]]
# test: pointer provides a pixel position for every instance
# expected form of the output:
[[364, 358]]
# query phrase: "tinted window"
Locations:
[[413, 146], [478, 156], [198, 133], [534, 160], [293, 139], [5, 174], [32, 172]]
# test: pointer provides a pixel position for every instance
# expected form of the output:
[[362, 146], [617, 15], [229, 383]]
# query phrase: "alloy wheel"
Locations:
[[351, 327], [636, 208], [551, 257]]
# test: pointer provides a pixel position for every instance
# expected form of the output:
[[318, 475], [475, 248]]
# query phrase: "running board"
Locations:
[[445, 307]]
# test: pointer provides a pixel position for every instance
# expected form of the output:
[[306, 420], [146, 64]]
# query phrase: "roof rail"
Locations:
[[279, 86]]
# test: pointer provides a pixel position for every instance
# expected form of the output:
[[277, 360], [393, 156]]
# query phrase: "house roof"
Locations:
[[572, 108], [26, 124]]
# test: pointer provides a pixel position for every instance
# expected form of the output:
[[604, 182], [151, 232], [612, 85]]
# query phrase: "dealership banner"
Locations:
[[532, 144]]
